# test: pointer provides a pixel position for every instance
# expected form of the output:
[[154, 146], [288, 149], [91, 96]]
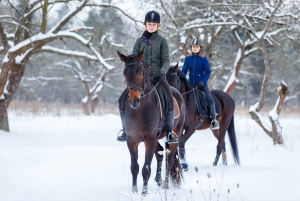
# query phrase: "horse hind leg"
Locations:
[[176, 171], [173, 168], [182, 159], [159, 157], [224, 155]]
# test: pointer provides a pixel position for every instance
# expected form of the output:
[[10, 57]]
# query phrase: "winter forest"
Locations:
[[65, 52]]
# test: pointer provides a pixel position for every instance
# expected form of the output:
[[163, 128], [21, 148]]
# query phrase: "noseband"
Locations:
[[143, 88]]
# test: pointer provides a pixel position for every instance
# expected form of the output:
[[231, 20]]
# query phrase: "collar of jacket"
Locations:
[[197, 54], [148, 40]]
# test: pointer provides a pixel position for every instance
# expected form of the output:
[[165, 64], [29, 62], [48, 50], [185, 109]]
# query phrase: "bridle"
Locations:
[[179, 84], [134, 87], [143, 88]]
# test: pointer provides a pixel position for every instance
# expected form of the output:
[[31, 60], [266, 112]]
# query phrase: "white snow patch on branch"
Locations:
[[20, 58]]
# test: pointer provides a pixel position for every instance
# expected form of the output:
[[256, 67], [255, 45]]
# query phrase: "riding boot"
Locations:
[[214, 122], [121, 137], [170, 124]]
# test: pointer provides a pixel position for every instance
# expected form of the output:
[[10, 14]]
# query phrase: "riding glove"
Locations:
[[200, 84], [159, 76]]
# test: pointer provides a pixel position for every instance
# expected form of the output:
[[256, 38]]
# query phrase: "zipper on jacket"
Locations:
[[194, 69]]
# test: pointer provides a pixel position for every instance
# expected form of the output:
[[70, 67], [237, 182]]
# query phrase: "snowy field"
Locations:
[[77, 158]]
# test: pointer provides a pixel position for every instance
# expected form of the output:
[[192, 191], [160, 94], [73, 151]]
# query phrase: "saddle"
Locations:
[[202, 107]]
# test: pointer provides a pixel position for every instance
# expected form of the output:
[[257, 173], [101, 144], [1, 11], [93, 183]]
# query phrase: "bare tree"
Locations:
[[19, 41], [261, 24]]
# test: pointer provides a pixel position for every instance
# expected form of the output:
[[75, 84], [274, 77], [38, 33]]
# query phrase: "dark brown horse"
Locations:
[[226, 118], [143, 114]]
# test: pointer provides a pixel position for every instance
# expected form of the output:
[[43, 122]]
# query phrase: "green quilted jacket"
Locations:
[[156, 53]]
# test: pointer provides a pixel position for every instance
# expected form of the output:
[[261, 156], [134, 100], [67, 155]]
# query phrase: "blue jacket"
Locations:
[[198, 67]]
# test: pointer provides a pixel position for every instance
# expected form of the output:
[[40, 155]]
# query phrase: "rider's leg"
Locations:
[[122, 137], [212, 109], [171, 138]]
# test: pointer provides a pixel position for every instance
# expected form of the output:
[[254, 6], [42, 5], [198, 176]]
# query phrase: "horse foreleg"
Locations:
[[167, 176], [182, 157], [146, 171], [159, 157], [133, 149]]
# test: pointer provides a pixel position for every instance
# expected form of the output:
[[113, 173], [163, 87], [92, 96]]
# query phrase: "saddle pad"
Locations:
[[204, 109], [176, 108], [175, 103]]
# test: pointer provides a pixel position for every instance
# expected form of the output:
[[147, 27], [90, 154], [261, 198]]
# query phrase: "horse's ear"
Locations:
[[140, 55], [174, 68], [122, 56]]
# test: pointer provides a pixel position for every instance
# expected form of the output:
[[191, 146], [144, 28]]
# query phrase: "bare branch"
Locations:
[[166, 11], [115, 7], [68, 53], [67, 17], [270, 20], [44, 16], [35, 6]]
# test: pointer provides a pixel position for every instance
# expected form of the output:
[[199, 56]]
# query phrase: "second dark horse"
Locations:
[[226, 118]]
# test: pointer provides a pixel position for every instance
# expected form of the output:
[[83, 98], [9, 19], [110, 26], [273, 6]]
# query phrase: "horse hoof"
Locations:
[[158, 181], [145, 191], [134, 189], [214, 163], [166, 186], [185, 167]]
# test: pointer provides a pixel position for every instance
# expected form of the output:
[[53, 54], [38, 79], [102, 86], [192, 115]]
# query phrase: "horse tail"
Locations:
[[176, 172], [233, 141]]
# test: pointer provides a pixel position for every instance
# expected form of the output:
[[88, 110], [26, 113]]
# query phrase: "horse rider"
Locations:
[[157, 58], [199, 72]]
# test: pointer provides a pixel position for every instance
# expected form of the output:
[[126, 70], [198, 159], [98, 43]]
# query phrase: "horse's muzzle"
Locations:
[[134, 97], [135, 103]]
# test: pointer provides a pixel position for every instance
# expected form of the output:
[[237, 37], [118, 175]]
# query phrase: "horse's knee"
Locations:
[[146, 170], [134, 169]]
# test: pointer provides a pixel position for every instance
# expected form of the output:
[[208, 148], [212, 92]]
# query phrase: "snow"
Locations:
[[47, 157]]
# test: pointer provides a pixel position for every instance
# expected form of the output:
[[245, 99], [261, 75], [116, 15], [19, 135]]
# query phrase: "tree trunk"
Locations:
[[94, 104], [275, 131], [3, 117]]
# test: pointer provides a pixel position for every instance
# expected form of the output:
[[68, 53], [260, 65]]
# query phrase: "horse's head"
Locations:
[[136, 76], [172, 77]]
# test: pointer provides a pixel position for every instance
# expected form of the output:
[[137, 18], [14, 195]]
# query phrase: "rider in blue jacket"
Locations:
[[199, 73]]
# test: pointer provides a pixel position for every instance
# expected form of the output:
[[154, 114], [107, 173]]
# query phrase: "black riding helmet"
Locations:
[[197, 41], [152, 16]]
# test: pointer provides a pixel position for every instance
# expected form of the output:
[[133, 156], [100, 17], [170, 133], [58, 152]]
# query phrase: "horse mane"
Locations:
[[182, 77]]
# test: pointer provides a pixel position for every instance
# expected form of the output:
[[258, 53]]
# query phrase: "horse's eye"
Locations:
[[140, 72]]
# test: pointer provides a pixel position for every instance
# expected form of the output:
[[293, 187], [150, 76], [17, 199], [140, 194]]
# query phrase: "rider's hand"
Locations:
[[200, 84], [159, 76]]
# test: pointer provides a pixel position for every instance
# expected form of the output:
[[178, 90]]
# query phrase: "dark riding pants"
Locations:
[[164, 83], [205, 89]]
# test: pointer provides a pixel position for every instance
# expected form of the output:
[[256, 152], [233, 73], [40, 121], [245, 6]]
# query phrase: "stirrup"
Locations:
[[172, 139], [122, 137], [216, 127]]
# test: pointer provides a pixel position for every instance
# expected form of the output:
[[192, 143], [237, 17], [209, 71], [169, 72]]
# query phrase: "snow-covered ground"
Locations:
[[76, 158]]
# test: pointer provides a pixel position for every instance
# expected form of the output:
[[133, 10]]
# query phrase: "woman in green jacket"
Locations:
[[157, 57]]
